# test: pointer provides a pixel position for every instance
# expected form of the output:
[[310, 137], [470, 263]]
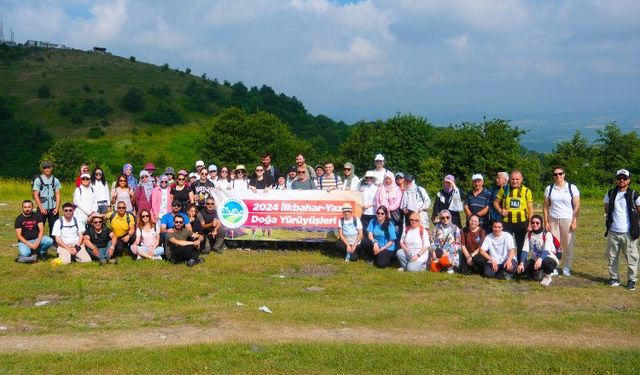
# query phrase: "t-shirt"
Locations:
[[202, 191], [146, 237], [259, 184], [120, 225], [620, 221], [48, 191], [183, 235], [309, 184], [560, 201], [416, 239], [68, 231], [472, 241], [207, 217], [349, 230], [181, 196], [29, 225], [515, 202], [100, 240], [167, 219], [498, 247], [381, 236], [329, 183], [478, 203]]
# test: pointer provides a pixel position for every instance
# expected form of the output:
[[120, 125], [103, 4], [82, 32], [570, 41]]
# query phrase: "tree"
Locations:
[[616, 149], [66, 155], [188, 71], [233, 137], [133, 100], [44, 92], [132, 58]]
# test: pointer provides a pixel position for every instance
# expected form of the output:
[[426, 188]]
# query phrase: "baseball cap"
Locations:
[[212, 168], [477, 176], [46, 164], [400, 174], [199, 163], [622, 172], [169, 170], [379, 157]]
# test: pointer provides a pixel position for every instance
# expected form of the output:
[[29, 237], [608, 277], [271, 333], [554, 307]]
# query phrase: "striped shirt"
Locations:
[[516, 202]]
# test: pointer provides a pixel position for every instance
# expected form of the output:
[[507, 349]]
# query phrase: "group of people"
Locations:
[[173, 216]]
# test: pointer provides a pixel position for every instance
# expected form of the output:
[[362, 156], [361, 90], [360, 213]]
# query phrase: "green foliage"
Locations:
[[22, 144], [6, 113], [163, 114], [234, 137], [97, 108], [66, 155], [133, 100], [86, 88], [44, 92], [160, 91], [188, 71], [95, 132], [132, 58], [165, 67]]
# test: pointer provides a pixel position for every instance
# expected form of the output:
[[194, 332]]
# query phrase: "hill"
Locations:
[[123, 107]]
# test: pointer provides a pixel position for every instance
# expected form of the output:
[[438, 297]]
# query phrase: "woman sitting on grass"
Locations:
[[147, 241], [415, 246], [382, 235], [472, 237], [539, 244], [446, 244]]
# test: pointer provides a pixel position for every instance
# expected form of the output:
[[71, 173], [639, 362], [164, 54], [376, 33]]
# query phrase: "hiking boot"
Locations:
[[613, 282], [113, 261], [631, 285], [546, 280]]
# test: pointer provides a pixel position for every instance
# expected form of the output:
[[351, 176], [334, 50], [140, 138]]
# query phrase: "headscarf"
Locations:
[[444, 186], [386, 191], [541, 224], [131, 179], [146, 186]]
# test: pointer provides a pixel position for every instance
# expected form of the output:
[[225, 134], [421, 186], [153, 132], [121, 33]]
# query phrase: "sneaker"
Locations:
[[631, 285], [566, 271], [191, 262], [157, 257], [138, 257], [400, 269], [546, 280], [103, 262], [508, 276], [346, 259], [113, 261], [614, 282], [555, 272], [450, 270]]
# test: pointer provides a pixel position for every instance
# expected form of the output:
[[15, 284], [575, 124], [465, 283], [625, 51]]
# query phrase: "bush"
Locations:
[[95, 132], [104, 123], [132, 58], [160, 92], [97, 108], [44, 92], [86, 88], [76, 118], [133, 100], [163, 114], [165, 67]]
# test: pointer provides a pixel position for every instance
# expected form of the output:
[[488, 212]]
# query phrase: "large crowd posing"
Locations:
[[172, 216]]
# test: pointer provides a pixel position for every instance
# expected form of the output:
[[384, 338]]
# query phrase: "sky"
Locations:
[[449, 61]]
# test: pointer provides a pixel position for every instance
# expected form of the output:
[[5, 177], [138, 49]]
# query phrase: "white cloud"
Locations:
[[460, 43], [359, 50]]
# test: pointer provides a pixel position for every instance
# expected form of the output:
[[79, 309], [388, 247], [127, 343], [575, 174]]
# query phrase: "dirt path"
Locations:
[[231, 332]]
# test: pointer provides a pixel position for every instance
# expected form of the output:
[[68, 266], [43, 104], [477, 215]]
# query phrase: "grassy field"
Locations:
[[328, 316]]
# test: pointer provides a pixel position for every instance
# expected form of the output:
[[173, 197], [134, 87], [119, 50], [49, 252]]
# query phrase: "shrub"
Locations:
[[133, 100], [76, 118], [95, 132], [165, 67], [132, 58], [44, 92], [104, 122], [163, 114], [86, 88]]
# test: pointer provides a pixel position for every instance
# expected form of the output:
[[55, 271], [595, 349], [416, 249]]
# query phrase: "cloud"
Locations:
[[359, 50], [460, 43]]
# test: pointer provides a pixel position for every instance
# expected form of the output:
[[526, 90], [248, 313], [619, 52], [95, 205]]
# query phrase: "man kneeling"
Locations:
[[100, 241], [499, 249], [183, 243], [69, 237]]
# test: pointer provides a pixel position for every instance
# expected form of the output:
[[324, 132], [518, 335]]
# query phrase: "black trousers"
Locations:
[[382, 260], [51, 218], [183, 253], [548, 265], [477, 264], [123, 247], [502, 271], [519, 231], [342, 248]]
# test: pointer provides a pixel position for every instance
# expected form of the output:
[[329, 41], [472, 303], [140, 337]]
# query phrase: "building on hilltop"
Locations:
[[40, 44], [99, 49]]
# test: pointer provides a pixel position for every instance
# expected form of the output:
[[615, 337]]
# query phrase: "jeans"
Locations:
[[502, 271], [418, 265], [45, 243]]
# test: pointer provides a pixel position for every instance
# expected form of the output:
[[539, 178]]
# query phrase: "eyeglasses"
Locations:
[[445, 217], [85, 178], [96, 222], [380, 213], [414, 220], [181, 178], [143, 216], [122, 180], [301, 172], [68, 210], [122, 207], [164, 182], [558, 174], [622, 178], [535, 223]]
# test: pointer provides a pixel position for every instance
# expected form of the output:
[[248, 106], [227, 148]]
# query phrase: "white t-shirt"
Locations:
[[498, 247], [350, 231], [620, 222], [560, 206], [414, 241], [68, 231], [380, 175], [368, 195]]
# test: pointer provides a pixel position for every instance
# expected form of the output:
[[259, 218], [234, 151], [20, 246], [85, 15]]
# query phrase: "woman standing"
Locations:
[[143, 192], [181, 192], [122, 192], [240, 182], [147, 241], [561, 210], [161, 199], [223, 182], [382, 235], [449, 199], [389, 195], [100, 191], [414, 245]]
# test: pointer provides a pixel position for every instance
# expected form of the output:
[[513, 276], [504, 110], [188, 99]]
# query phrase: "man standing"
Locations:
[[515, 203], [291, 176], [329, 180], [478, 202], [501, 181], [32, 243], [199, 166], [379, 171], [303, 182], [213, 173], [622, 206], [301, 163], [123, 227], [46, 194], [183, 243], [498, 250], [270, 171], [211, 227], [69, 237]]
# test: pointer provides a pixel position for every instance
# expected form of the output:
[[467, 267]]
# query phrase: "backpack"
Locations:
[[570, 192], [75, 223], [114, 213], [355, 223], [557, 246], [42, 184], [406, 230]]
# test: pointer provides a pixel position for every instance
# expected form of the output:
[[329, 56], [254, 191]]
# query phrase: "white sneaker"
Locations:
[[555, 272], [400, 269], [157, 257], [450, 270], [546, 280], [566, 271], [138, 257]]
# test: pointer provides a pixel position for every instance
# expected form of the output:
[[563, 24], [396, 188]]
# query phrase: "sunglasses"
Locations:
[[164, 182], [122, 180], [302, 172], [445, 217], [347, 169], [558, 174], [413, 220], [96, 222], [181, 178], [98, 173], [47, 167], [122, 208], [259, 170], [178, 222], [176, 205], [535, 223], [240, 172], [68, 210], [143, 216], [622, 178], [209, 204], [85, 178], [380, 213]]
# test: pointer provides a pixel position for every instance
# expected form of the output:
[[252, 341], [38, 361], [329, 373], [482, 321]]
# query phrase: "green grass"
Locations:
[[425, 320]]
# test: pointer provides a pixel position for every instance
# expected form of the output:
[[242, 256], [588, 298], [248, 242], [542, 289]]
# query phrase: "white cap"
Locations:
[[379, 157], [622, 172], [212, 167], [199, 163], [85, 175], [193, 174], [370, 174], [477, 176]]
